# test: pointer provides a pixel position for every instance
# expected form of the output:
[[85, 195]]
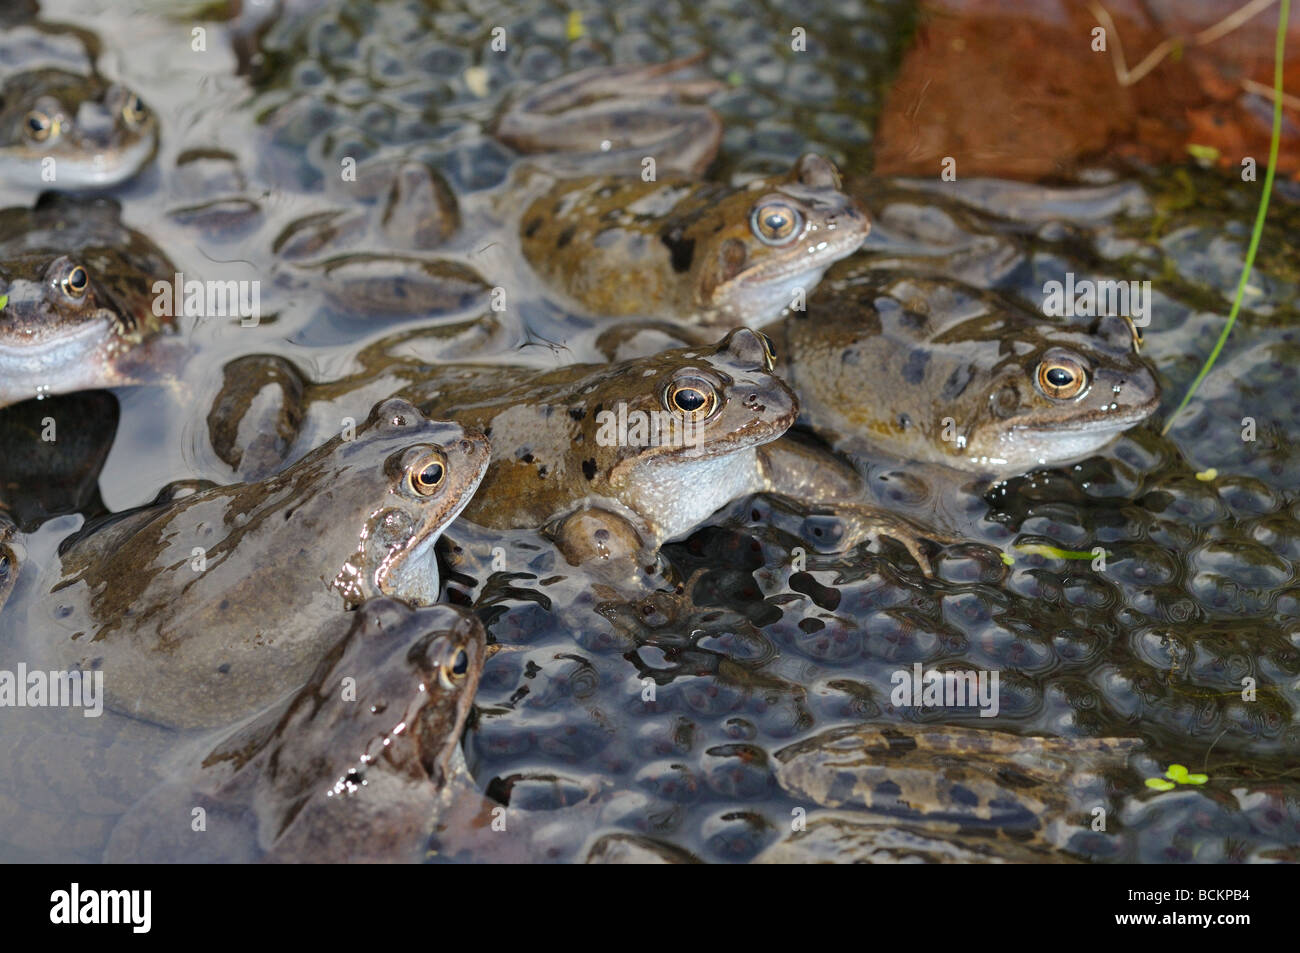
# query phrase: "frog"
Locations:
[[199, 609], [353, 767], [692, 250], [79, 301], [608, 118], [613, 460], [63, 125], [929, 370], [942, 792]]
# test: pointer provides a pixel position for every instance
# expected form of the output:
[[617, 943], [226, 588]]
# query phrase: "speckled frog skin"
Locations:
[[938, 784], [932, 371], [556, 450], [568, 457], [80, 312], [691, 250], [330, 777], [201, 610]]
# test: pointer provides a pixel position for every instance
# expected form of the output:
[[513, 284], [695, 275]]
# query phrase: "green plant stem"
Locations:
[[1282, 16]]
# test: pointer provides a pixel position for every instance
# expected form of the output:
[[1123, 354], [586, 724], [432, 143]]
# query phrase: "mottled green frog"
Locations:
[[205, 608], [692, 250], [354, 767]]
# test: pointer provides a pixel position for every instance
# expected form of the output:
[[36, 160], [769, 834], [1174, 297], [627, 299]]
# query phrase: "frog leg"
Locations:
[[596, 536], [796, 467], [803, 472], [858, 522]]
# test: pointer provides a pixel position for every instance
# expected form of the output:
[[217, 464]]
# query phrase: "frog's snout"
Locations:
[[96, 125]]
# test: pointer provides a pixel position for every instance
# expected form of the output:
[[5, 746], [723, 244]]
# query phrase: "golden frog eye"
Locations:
[[76, 282], [770, 349], [451, 672], [134, 111], [691, 399], [775, 223], [1062, 378], [428, 474], [40, 126]]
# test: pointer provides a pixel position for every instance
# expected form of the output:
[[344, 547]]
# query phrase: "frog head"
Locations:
[[758, 246], [89, 132], [77, 290], [416, 671], [425, 472]]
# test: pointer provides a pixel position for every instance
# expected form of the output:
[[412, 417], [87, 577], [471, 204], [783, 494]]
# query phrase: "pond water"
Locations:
[[755, 650]]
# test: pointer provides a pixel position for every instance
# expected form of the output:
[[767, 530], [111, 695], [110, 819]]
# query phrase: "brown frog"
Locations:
[[62, 124], [942, 793], [692, 250], [927, 369], [931, 371], [77, 301], [612, 458], [354, 767], [204, 608]]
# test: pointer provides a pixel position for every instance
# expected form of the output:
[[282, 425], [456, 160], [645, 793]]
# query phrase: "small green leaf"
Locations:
[[1007, 560], [1160, 784], [1177, 772], [1205, 154], [1197, 778], [4, 300]]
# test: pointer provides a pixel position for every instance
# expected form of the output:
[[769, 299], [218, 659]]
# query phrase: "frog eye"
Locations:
[[39, 126], [456, 669], [691, 399], [1062, 378], [775, 223], [134, 111], [428, 474], [75, 282], [770, 350]]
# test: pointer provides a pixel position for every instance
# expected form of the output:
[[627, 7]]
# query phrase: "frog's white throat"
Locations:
[[674, 494]]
